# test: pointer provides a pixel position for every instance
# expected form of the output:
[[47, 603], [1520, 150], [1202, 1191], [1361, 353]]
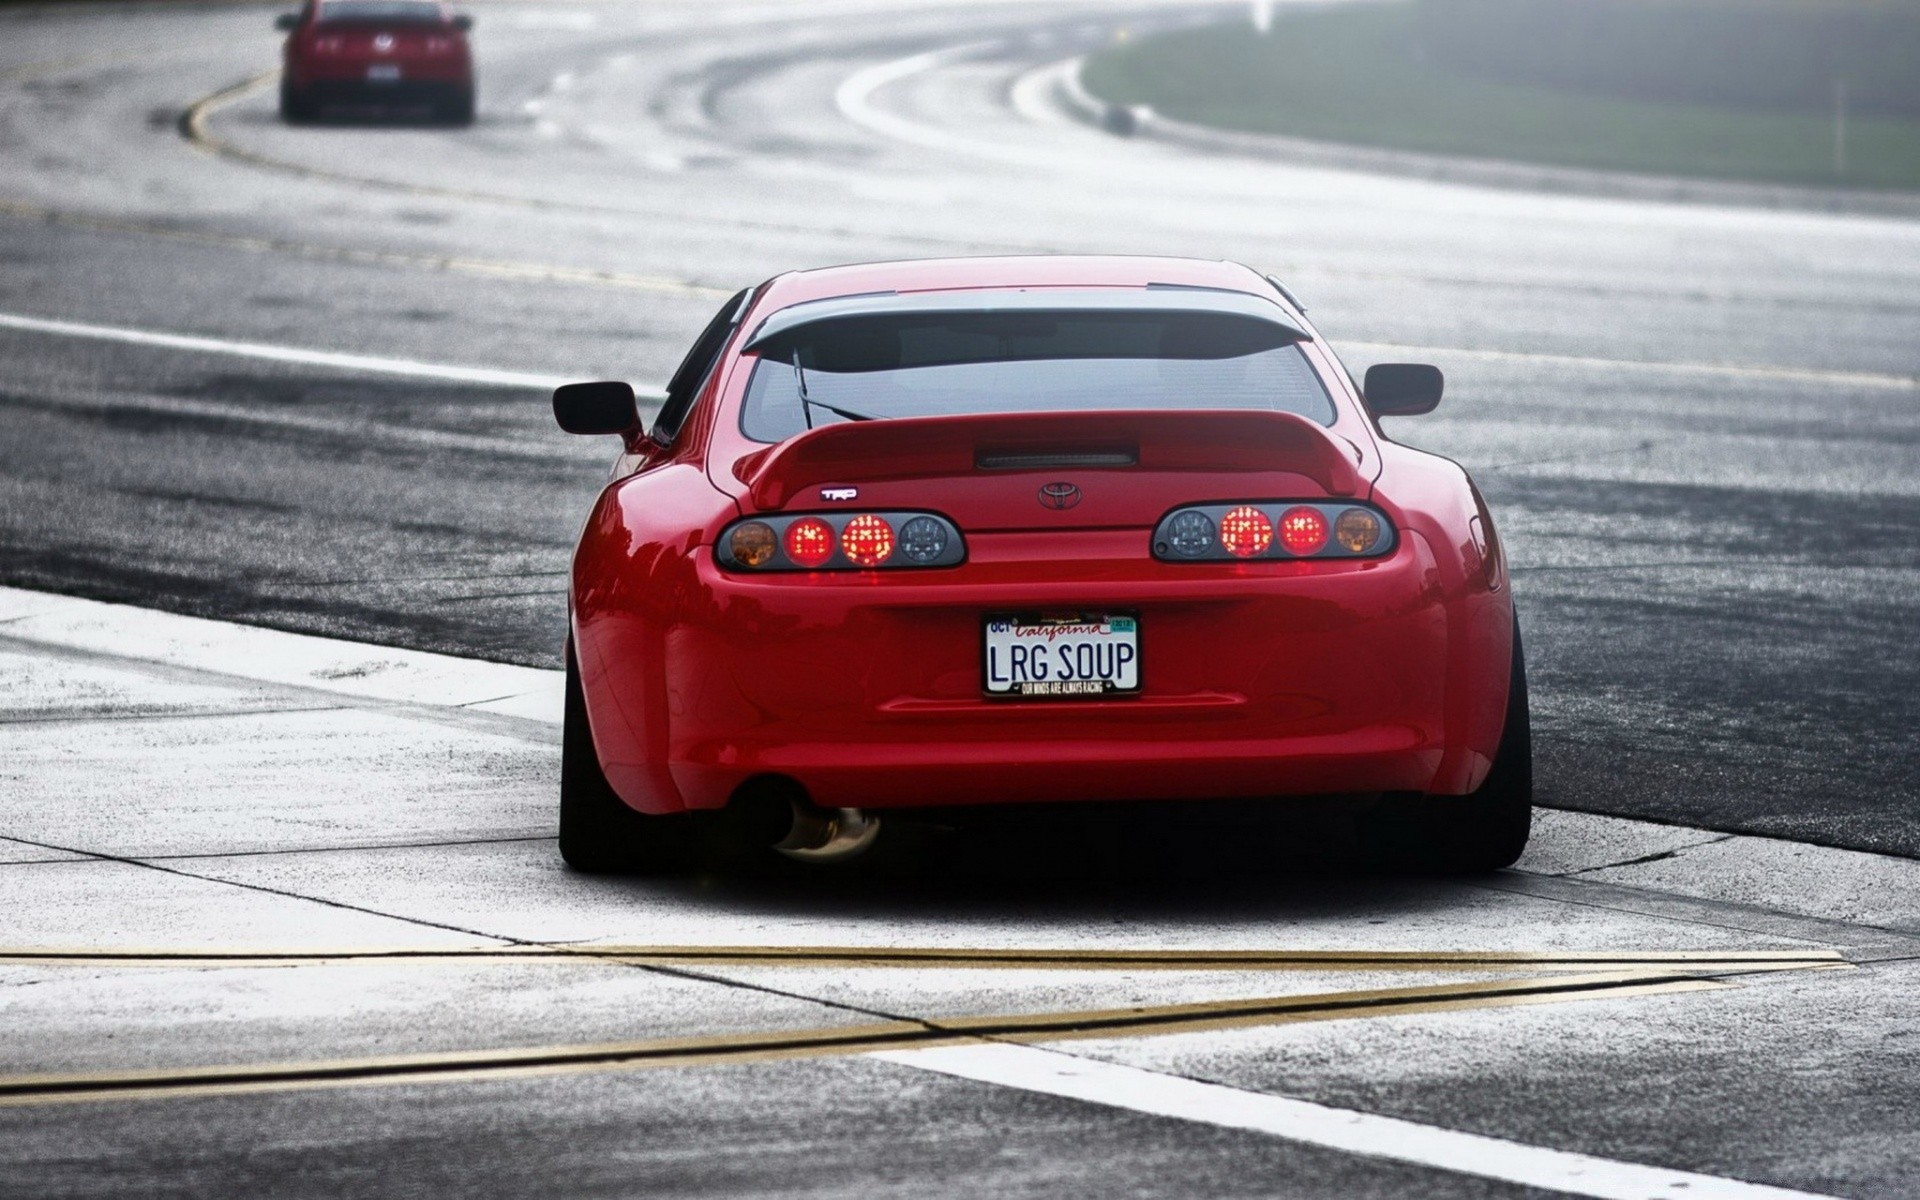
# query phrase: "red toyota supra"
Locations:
[[989, 532]]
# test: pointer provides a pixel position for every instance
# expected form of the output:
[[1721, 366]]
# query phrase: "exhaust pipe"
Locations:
[[799, 829], [828, 834]]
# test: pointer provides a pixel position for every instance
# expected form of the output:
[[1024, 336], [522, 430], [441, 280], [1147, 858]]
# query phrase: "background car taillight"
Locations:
[[1257, 531], [840, 542]]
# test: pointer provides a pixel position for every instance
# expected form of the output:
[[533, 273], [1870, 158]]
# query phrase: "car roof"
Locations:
[[1014, 271]]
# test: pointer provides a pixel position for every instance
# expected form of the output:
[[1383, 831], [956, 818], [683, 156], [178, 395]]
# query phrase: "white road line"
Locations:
[[1826, 378], [1053, 1073], [357, 430], [283, 354], [854, 99]]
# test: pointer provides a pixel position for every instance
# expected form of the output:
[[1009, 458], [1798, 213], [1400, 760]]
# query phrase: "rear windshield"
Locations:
[[380, 12], [956, 364]]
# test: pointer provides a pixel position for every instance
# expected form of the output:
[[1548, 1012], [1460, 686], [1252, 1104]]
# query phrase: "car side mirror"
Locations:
[[462, 22], [1402, 389], [596, 407], [287, 22]]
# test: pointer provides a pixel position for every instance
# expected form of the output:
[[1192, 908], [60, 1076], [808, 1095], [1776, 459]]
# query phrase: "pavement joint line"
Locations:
[[1861, 379], [365, 363], [1691, 910], [369, 434], [477, 596], [434, 578], [942, 958], [448, 264], [29, 72], [1657, 856], [345, 849], [1144, 1020], [178, 715], [326, 696], [82, 858], [325, 902], [1642, 446]]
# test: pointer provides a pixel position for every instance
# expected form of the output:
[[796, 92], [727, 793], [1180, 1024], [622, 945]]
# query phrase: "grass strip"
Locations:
[[1356, 74]]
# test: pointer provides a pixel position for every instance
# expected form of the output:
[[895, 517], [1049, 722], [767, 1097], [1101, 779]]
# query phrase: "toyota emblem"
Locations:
[[382, 42], [1059, 495]]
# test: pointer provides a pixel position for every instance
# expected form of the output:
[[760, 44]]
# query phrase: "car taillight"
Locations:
[[1245, 532], [809, 542], [1356, 529], [867, 541], [1303, 530], [753, 544], [1257, 531], [840, 542]]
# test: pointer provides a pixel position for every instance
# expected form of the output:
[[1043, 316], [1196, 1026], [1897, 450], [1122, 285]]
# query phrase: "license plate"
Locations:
[[1088, 656], [383, 73]]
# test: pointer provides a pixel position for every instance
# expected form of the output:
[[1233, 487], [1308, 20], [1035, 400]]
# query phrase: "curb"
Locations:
[[1140, 120]]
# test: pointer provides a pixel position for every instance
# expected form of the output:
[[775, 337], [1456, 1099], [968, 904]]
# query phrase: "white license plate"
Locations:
[[1091, 656], [384, 73]]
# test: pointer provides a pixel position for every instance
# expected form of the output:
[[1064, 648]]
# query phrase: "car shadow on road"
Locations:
[[1188, 862], [352, 118]]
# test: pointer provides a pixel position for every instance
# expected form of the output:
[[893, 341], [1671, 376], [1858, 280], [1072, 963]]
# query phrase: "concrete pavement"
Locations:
[[179, 786]]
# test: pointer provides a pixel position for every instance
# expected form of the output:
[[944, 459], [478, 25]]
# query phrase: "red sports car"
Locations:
[[385, 53], [1003, 531]]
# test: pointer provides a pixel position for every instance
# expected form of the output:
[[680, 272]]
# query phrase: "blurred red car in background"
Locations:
[[379, 53]]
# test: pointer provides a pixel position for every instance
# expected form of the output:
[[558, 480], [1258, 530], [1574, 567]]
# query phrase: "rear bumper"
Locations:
[[347, 83], [1281, 679]]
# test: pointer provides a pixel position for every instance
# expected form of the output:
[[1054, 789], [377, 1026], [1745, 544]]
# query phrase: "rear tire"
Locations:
[[599, 834], [458, 110], [296, 106], [1483, 831]]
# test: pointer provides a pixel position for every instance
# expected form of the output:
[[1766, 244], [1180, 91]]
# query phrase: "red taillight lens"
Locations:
[[1303, 530], [1245, 532], [867, 541], [810, 542]]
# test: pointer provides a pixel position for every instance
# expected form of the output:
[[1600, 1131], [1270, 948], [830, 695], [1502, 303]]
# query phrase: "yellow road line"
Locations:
[[193, 127], [937, 958], [28, 72], [1139, 1021]]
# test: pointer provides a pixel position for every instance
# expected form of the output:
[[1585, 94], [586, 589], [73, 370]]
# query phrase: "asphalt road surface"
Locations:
[[1696, 425]]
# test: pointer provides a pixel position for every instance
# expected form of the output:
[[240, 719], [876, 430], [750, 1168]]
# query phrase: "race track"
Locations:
[[295, 378]]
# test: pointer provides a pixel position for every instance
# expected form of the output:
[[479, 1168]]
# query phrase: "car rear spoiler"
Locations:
[[918, 447]]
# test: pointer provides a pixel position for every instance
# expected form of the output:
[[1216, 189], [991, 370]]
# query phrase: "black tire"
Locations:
[[599, 834], [1483, 831], [458, 110], [296, 106]]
